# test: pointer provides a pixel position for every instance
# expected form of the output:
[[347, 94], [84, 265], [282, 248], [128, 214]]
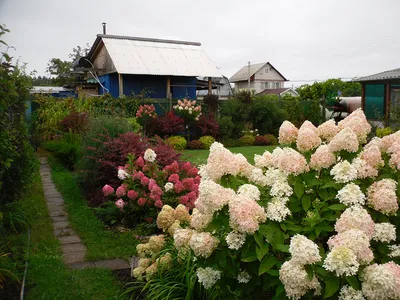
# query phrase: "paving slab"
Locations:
[[60, 213], [74, 257], [69, 239], [72, 248], [52, 207], [82, 265], [61, 224], [58, 218], [64, 232], [113, 264]]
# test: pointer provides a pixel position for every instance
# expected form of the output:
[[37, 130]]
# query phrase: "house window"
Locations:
[[266, 70], [277, 85]]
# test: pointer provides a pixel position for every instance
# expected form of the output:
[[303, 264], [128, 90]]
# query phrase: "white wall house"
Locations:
[[262, 76]]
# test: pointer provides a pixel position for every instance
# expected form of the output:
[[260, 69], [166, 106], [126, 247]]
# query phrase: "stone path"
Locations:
[[73, 250]]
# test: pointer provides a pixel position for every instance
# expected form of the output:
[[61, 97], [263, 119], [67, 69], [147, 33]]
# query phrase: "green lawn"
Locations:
[[199, 157], [101, 243], [47, 276]]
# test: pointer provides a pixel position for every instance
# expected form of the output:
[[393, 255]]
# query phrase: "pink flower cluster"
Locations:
[[382, 196], [289, 161], [322, 158], [358, 123], [346, 140], [146, 111], [188, 108], [144, 184], [287, 133], [327, 130]]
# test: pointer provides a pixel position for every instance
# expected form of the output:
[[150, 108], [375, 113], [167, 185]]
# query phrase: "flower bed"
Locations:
[[314, 219]]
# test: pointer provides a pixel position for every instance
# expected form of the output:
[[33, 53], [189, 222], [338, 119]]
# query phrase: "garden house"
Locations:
[[126, 65], [279, 92], [379, 92], [262, 76]]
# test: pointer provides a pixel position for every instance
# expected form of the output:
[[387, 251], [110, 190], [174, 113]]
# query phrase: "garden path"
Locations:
[[73, 250]]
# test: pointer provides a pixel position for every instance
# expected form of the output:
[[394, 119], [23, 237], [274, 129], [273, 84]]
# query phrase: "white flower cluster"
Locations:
[[122, 174], [150, 155], [384, 232], [351, 194], [249, 190], [341, 260], [293, 274], [394, 250], [208, 276], [277, 210], [235, 240], [344, 172], [169, 186], [348, 293], [243, 277]]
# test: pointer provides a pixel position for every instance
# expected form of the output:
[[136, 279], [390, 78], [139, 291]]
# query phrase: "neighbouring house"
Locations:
[[126, 65], [220, 86], [279, 92], [262, 76], [379, 92]]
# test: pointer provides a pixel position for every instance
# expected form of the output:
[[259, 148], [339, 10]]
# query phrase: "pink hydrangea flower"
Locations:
[[158, 204], [188, 183], [141, 201], [120, 203], [139, 175], [287, 133], [193, 171], [184, 199], [327, 130], [174, 178], [322, 158], [178, 187], [186, 166], [144, 181], [152, 183], [107, 190], [139, 162], [172, 168], [307, 139], [382, 196], [120, 191], [132, 194], [346, 139]]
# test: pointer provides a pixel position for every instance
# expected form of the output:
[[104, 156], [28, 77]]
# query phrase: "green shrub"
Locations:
[[195, 144], [231, 143], [272, 139], [381, 132], [247, 140], [134, 124], [177, 142], [207, 141], [267, 116], [66, 150], [226, 127]]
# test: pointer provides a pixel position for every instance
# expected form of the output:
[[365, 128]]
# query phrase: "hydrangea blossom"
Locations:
[[364, 169], [343, 172], [199, 220], [287, 133], [169, 186], [351, 194], [182, 238], [382, 196], [327, 130], [373, 156], [394, 250], [290, 161], [384, 232], [322, 158], [245, 214], [263, 161], [243, 277], [203, 243], [381, 282], [150, 155], [342, 261], [295, 279], [235, 240], [348, 293], [346, 140], [355, 217], [250, 191], [208, 276], [303, 250], [122, 174], [212, 197], [307, 140], [277, 210]]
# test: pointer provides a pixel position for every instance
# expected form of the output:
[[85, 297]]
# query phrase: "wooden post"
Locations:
[[169, 92], [121, 85], [209, 86], [387, 100]]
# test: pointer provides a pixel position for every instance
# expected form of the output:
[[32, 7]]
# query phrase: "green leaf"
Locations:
[[281, 247], [331, 287], [261, 251], [313, 182], [267, 263], [306, 202], [337, 207], [273, 272], [250, 256], [353, 281], [221, 258], [299, 189], [279, 290], [309, 271], [259, 239]]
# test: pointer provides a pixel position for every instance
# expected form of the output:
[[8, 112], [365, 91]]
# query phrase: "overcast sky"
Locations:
[[304, 40]]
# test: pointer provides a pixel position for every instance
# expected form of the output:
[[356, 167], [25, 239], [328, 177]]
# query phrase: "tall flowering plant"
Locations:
[[145, 114], [188, 110], [316, 218], [145, 188]]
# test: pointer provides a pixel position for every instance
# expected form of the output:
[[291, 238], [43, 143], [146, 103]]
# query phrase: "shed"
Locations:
[[379, 92], [128, 65]]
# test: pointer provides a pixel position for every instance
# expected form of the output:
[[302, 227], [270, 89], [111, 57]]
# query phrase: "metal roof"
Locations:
[[243, 73], [48, 89], [143, 56], [278, 91], [391, 74]]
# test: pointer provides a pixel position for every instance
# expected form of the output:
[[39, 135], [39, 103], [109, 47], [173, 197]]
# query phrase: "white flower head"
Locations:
[[351, 194], [243, 277], [122, 174], [344, 172], [168, 186], [208, 276], [235, 240], [150, 155], [250, 191], [384, 232]]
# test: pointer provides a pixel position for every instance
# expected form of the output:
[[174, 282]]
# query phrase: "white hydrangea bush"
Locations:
[[314, 219]]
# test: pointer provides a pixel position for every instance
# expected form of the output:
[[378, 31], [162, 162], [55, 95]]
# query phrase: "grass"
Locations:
[[47, 277], [199, 157], [101, 243]]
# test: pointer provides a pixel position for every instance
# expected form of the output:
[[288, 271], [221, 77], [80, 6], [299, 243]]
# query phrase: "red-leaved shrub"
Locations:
[[75, 121], [208, 125], [195, 144], [169, 124], [261, 141]]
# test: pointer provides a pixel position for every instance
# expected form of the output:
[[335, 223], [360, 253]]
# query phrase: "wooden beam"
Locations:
[[121, 85], [363, 96], [387, 100], [209, 86]]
